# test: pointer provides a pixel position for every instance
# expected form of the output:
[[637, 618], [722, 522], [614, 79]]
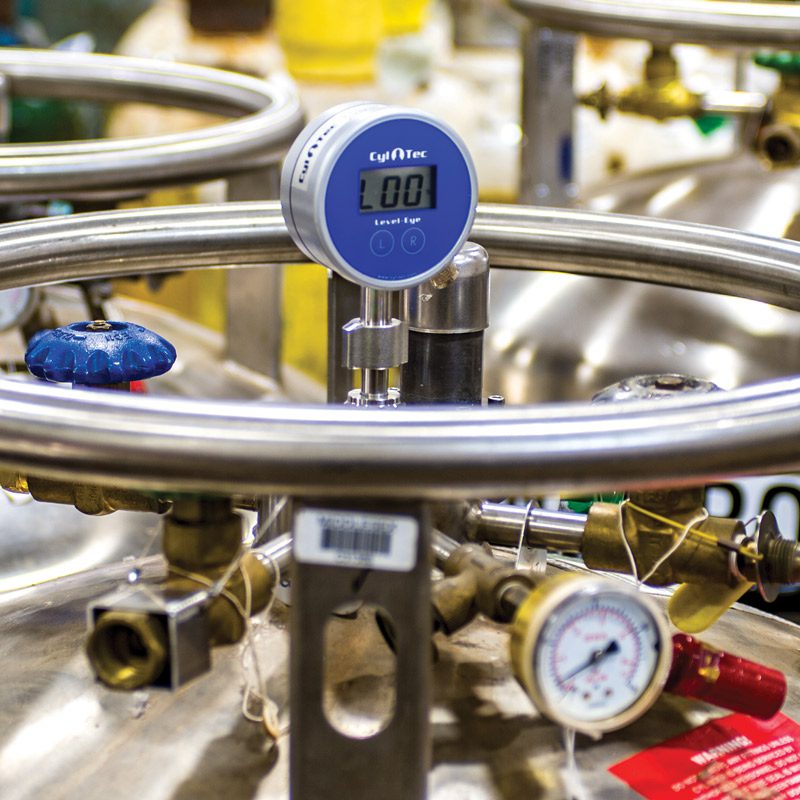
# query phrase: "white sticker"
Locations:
[[346, 539]]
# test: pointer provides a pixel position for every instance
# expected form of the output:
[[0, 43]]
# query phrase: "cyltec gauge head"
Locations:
[[592, 654], [381, 194]]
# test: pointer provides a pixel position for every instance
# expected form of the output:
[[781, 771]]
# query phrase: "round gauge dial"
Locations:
[[592, 654], [16, 306]]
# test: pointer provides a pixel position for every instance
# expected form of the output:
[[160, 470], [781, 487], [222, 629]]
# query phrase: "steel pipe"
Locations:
[[709, 22], [233, 447], [501, 523], [269, 119]]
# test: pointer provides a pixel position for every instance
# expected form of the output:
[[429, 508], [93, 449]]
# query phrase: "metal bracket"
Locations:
[[323, 761]]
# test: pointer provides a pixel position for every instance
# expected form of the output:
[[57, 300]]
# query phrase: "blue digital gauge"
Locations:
[[381, 194]]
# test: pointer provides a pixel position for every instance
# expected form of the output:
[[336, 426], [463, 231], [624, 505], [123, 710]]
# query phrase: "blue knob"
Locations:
[[99, 353]]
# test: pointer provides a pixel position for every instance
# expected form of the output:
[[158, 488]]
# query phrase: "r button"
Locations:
[[381, 243], [412, 241]]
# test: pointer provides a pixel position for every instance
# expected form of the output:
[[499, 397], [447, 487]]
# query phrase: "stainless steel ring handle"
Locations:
[[269, 117], [235, 447], [710, 22]]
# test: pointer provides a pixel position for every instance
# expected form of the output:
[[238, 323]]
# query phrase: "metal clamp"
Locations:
[[369, 346]]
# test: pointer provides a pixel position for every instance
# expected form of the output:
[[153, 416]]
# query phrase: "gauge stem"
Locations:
[[376, 312]]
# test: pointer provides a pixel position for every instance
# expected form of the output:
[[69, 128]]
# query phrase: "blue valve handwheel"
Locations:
[[99, 353]]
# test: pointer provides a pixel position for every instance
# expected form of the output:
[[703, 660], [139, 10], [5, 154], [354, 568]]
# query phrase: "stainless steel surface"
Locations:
[[501, 523], [613, 330], [42, 541], [691, 21], [269, 112], [548, 102], [160, 443], [65, 736], [739, 192], [442, 547], [457, 299], [653, 387]]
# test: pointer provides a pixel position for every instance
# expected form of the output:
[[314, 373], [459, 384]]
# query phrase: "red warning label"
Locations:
[[733, 758]]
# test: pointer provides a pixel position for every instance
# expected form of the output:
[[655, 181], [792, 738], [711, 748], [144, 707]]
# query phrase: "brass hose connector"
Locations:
[[161, 634], [127, 649]]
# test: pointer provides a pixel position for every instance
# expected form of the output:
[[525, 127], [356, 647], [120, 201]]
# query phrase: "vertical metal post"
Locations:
[[344, 304], [324, 762], [376, 312], [254, 296], [546, 170]]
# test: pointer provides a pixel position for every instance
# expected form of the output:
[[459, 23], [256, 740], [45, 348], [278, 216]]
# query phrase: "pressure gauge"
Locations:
[[383, 195], [16, 306], [593, 655]]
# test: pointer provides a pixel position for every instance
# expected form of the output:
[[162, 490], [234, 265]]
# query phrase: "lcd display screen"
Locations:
[[397, 189]]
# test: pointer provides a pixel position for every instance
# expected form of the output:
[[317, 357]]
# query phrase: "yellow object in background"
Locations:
[[330, 40], [404, 16], [305, 319]]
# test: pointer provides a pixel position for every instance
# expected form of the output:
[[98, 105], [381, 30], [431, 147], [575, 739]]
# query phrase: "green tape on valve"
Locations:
[[785, 61], [582, 504], [709, 123]]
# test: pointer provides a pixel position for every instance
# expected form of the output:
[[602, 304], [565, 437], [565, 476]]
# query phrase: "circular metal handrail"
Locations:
[[710, 22], [236, 447], [269, 117]]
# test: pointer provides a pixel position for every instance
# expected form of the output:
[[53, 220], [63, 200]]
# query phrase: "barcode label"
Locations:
[[372, 541]]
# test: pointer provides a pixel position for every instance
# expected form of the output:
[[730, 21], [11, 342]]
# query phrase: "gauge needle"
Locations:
[[594, 658]]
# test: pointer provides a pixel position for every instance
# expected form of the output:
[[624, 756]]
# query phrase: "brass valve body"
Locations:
[[696, 560], [247, 590], [203, 537], [87, 498], [661, 95]]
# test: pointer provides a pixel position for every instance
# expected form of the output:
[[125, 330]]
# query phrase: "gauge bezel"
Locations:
[[528, 626], [310, 168]]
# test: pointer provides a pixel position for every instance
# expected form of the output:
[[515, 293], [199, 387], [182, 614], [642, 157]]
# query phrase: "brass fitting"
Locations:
[[87, 498], [162, 636], [661, 95], [453, 600], [696, 560], [127, 649], [486, 579], [779, 138], [202, 539]]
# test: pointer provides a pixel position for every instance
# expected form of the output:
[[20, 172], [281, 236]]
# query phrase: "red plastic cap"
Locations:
[[703, 673]]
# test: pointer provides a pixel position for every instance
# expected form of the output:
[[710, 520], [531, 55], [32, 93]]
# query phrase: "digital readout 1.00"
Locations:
[[397, 189]]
